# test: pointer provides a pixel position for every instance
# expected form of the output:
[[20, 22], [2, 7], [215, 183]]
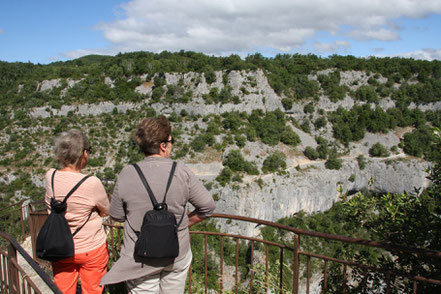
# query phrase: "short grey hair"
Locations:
[[69, 147]]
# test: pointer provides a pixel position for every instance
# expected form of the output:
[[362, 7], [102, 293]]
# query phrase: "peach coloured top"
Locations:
[[89, 196]]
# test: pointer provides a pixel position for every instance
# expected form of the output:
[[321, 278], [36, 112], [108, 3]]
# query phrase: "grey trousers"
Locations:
[[171, 280]]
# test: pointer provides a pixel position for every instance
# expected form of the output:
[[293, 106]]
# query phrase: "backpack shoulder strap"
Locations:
[[52, 183], [146, 185], [170, 178], [70, 193], [74, 188], [80, 227]]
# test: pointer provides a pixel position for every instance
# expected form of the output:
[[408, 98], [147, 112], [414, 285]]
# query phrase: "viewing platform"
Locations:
[[230, 263]]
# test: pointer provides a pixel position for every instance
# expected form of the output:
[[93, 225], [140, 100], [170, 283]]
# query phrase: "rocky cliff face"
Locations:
[[312, 188]]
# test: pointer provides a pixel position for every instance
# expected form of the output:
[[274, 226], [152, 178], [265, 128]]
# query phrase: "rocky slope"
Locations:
[[306, 185]]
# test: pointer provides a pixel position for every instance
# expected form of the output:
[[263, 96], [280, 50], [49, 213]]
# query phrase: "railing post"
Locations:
[[23, 236], [13, 279], [295, 271], [221, 280]]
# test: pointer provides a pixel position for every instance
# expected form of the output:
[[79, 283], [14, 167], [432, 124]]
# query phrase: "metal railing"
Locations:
[[13, 219], [13, 278], [249, 264], [254, 269]]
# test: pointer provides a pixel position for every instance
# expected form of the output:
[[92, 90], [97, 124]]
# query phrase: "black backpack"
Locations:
[[158, 237], [55, 240]]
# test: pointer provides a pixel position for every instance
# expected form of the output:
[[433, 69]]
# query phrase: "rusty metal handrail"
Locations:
[[357, 241], [297, 253], [296, 250], [20, 203], [297, 232], [46, 279], [242, 237]]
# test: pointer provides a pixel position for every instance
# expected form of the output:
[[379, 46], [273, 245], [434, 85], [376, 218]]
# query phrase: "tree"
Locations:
[[210, 76], [320, 122], [234, 160], [225, 176], [311, 153], [274, 162], [289, 137], [240, 141], [287, 103], [333, 161], [378, 150], [305, 126], [420, 142], [236, 163], [361, 160], [367, 93], [198, 143], [322, 148], [231, 121]]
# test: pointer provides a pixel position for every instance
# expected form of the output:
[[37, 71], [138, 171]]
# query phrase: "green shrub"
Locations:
[[309, 108], [287, 103], [367, 93], [352, 178], [322, 148], [198, 143], [333, 162], [420, 142], [311, 153], [251, 134], [225, 176], [320, 122], [210, 77], [231, 121], [306, 127], [274, 162], [157, 94], [235, 162], [378, 150], [361, 160], [289, 137], [240, 141]]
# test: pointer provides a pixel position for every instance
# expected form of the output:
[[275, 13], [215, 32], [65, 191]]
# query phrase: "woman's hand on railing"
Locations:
[[194, 218]]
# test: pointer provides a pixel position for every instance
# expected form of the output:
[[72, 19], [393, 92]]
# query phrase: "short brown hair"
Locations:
[[69, 147], [151, 132]]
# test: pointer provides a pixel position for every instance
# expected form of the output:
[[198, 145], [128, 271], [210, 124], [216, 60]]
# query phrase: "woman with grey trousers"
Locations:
[[130, 200]]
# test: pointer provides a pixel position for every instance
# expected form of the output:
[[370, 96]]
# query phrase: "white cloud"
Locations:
[[331, 48], [1, 31], [240, 26], [425, 54], [380, 34]]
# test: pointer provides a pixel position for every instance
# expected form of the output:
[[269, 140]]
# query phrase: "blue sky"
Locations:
[[47, 30]]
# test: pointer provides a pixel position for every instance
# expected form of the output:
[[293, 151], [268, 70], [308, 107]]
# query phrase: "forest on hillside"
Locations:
[[288, 76], [294, 78]]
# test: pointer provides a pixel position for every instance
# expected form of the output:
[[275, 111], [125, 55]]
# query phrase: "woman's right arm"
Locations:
[[200, 198], [102, 201]]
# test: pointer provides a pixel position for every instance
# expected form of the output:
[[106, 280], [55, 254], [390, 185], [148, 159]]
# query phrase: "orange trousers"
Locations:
[[89, 267]]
